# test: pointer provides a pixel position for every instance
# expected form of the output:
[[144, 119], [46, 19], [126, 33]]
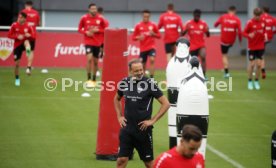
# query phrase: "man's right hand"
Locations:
[[89, 33], [122, 121], [20, 37], [141, 37]]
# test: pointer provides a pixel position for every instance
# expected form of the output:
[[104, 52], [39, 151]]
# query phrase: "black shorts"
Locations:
[[95, 50], [17, 52], [195, 52], [225, 48], [140, 140], [255, 54], [169, 47], [144, 55], [32, 43]]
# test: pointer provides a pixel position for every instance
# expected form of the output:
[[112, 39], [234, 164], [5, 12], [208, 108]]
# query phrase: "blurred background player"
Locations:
[[146, 32], [185, 153], [196, 29], [22, 35], [270, 25], [33, 20], [101, 14], [230, 26], [254, 32], [171, 22], [92, 27]]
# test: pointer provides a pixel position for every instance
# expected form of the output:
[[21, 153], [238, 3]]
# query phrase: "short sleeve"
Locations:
[[155, 91]]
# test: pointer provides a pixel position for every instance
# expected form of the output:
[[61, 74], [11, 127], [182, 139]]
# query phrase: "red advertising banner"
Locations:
[[65, 49]]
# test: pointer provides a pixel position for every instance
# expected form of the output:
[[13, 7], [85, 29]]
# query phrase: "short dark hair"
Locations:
[[100, 10], [197, 12], [257, 11], [170, 6], [92, 4], [191, 132], [23, 14], [232, 8], [30, 3], [266, 9], [146, 11], [133, 61]]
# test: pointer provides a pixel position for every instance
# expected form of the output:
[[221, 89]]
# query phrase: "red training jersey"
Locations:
[[20, 29], [196, 31], [88, 22], [173, 159], [171, 22], [144, 28], [106, 25], [257, 29], [33, 18], [230, 26], [270, 24]]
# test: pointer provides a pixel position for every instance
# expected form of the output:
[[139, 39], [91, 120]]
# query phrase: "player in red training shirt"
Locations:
[[146, 32], [92, 27], [185, 153], [171, 22], [230, 26], [270, 25], [101, 12], [33, 20], [22, 35], [196, 29], [254, 31]]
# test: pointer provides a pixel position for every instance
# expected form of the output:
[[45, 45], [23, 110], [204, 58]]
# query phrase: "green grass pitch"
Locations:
[[58, 129]]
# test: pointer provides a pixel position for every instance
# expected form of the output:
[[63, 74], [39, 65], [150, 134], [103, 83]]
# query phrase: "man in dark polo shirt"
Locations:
[[137, 123]]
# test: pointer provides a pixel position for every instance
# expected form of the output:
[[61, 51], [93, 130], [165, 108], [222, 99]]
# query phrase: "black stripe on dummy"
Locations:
[[201, 121], [192, 76], [273, 149], [172, 95]]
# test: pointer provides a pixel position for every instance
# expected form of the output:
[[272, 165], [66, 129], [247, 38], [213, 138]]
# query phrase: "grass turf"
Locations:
[[43, 129]]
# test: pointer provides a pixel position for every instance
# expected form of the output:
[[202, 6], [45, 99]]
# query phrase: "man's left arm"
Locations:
[[165, 105]]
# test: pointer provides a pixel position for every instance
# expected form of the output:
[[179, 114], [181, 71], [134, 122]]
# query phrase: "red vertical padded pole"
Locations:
[[114, 69]]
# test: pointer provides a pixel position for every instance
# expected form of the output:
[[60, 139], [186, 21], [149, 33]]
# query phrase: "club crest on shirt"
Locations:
[[201, 26], [25, 30], [139, 89], [98, 21], [150, 27], [88, 21]]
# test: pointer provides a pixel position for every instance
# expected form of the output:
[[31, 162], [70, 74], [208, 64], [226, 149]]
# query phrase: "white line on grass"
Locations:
[[243, 101], [225, 157]]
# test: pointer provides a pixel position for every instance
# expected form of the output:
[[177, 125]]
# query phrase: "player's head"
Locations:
[[266, 9], [100, 10], [190, 141], [92, 9], [182, 47], [22, 17], [257, 13], [197, 14], [170, 7], [146, 15], [194, 62], [28, 4], [232, 9], [136, 69]]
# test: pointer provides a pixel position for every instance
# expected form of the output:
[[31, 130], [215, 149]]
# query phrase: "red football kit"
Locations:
[[171, 22], [89, 22], [270, 23], [144, 28], [257, 29], [196, 31], [20, 29], [230, 25], [173, 159], [33, 18]]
